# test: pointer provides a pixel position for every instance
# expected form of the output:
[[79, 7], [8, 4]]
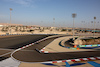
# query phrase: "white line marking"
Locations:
[[5, 54]]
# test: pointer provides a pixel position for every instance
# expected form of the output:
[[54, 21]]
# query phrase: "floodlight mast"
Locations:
[[73, 15], [94, 26], [10, 18], [53, 21]]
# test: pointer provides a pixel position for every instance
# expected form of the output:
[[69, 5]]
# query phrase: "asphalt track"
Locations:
[[12, 42], [15, 42], [30, 54]]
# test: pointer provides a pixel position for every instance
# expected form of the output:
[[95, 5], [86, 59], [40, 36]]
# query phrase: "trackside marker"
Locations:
[[68, 60], [64, 61], [54, 62], [85, 59], [59, 61], [88, 58], [75, 60], [92, 58], [98, 58], [81, 59]]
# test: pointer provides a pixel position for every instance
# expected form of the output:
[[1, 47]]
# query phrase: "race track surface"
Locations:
[[30, 54], [15, 42], [10, 43]]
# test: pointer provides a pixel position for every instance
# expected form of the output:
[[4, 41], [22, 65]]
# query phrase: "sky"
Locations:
[[42, 12]]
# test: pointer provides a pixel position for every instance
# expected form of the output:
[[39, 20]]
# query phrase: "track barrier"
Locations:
[[94, 45]]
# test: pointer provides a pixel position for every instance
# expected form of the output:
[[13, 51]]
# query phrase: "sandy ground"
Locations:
[[51, 47], [1, 33], [38, 32]]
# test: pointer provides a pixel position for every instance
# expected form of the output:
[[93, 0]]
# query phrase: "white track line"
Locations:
[[5, 54]]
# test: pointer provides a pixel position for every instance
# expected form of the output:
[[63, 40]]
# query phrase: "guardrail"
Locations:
[[26, 34], [94, 45]]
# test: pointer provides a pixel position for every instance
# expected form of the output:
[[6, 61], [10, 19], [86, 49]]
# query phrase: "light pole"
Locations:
[[73, 15], [94, 26], [54, 21], [41, 22], [98, 24], [10, 18], [83, 24], [91, 25], [53, 24]]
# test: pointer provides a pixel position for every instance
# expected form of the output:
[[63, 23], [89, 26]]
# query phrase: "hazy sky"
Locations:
[[42, 12]]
